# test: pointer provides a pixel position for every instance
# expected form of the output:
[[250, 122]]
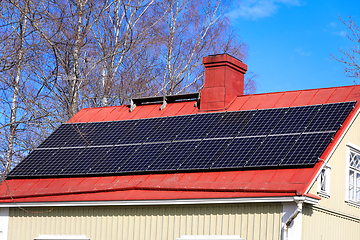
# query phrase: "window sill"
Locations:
[[353, 203], [324, 194]]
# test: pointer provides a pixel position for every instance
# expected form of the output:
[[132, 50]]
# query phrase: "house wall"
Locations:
[[338, 180], [320, 223], [250, 221]]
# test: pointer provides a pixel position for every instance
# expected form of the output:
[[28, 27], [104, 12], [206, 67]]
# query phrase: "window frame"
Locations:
[[353, 202]]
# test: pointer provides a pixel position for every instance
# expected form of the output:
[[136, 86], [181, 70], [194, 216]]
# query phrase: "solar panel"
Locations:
[[230, 124], [55, 164], [85, 160], [117, 131], [113, 160], [141, 130], [173, 156], [59, 137], [204, 154], [330, 117], [263, 122], [296, 119], [308, 149], [86, 135], [33, 162], [199, 126], [143, 157], [238, 152], [169, 129], [272, 150]]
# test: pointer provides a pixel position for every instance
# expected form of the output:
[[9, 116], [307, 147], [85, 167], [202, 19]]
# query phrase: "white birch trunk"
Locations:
[[14, 105], [75, 80]]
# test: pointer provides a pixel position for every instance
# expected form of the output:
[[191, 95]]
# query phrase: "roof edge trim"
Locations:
[[306, 199]]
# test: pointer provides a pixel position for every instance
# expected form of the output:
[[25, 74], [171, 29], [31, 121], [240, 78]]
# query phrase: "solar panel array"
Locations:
[[225, 140]]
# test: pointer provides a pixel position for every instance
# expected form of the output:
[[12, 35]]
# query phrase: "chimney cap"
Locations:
[[221, 54], [224, 59]]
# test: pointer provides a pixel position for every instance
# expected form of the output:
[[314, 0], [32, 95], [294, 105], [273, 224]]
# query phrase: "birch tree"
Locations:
[[17, 47], [120, 36], [64, 27], [189, 31], [57, 57]]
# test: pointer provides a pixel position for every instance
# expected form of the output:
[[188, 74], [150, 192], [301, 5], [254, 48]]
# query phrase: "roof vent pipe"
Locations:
[[224, 81]]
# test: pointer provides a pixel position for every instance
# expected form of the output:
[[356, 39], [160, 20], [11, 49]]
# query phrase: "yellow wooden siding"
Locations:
[[322, 224], [250, 221], [337, 162]]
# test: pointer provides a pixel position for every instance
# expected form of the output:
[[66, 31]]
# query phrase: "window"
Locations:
[[324, 182], [353, 175]]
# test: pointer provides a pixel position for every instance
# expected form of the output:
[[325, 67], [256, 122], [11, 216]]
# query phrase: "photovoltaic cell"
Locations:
[[173, 156], [262, 122], [86, 134], [238, 152], [58, 161], [271, 151], [85, 160], [205, 154], [307, 149], [169, 129], [330, 117], [114, 159], [230, 124], [296, 119], [141, 131], [143, 157], [114, 134], [33, 162], [199, 126]]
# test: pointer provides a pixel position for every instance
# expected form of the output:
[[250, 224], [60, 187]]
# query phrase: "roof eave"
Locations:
[[312, 200]]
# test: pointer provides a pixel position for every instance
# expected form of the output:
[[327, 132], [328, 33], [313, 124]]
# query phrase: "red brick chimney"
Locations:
[[224, 81]]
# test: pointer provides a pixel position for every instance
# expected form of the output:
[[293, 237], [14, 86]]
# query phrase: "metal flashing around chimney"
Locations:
[[164, 100]]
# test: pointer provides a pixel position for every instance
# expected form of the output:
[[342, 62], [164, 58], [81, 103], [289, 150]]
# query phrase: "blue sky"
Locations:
[[290, 41]]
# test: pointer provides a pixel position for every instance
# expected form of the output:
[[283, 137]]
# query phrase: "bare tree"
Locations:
[[119, 36], [57, 57], [64, 27], [351, 58], [189, 31], [13, 45], [19, 96]]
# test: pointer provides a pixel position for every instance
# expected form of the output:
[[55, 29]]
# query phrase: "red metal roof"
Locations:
[[226, 184], [254, 183]]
